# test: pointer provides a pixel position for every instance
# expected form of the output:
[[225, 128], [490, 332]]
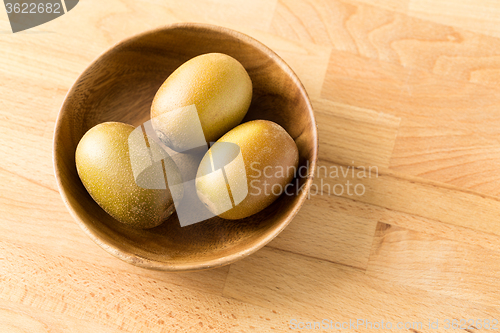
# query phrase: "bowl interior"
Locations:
[[120, 86]]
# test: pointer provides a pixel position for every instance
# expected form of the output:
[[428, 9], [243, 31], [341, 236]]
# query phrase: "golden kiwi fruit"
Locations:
[[200, 101], [269, 163], [104, 165]]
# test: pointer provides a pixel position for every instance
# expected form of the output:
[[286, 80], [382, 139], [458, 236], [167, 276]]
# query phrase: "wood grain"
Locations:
[[320, 221], [355, 136], [47, 215], [125, 301], [318, 289], [462, 117], [428, 199], [479, 16], [390, 36], [308, 60], [404, 255], [407, 86], [19, 318]]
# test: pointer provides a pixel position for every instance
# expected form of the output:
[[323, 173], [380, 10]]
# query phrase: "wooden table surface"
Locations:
[[406, 89]]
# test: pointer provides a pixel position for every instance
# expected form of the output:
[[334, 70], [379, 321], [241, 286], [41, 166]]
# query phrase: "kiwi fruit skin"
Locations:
[[104, 167], [216, 85], [270, 158]]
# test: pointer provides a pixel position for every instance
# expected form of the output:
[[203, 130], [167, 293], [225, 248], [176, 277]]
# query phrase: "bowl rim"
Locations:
[[140, 261]]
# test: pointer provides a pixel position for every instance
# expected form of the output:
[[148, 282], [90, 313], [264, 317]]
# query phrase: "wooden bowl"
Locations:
[[120, 85]]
